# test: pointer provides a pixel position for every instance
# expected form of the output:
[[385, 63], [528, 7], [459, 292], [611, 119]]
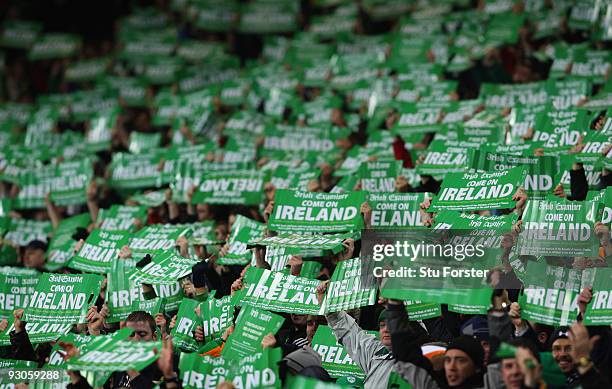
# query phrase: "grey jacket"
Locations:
[[363, 348]]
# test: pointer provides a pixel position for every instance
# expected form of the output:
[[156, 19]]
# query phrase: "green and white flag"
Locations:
[[479, 191], [244, 231], [541, 171], [217, 315], [345, 291], [559, 228], [396, 210], [63, 298], [252, 324], [280, 292], [231, 187], [99, 250], [156, 239], [551, 294], [316, 212], [186, 322], [334, 357], [257, 370], [54, 45], [379, 176], [16, 287], [121, 217], [164, 269], [105, 353], [599, 311], [38, 332]]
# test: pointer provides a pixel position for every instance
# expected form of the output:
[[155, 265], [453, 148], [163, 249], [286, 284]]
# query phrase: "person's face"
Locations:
[[543, 337], [221, 232], [385, 335], [458, 367], [311, 327], [486, 348], [561, 349], [142, 331], [511, 373], [34, 258], [299, 320], [203, 212]]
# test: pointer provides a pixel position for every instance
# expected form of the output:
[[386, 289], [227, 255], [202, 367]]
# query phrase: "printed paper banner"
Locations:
[[16, 287], [278, 257], [23, 231], [379, 176], [98, 251], [252, 325], [164, 269], [279, 292], [541, 171], [599, 311], [121, 293], [54, 45], [470, 301], [396, 210], [135, 171], [37, 332], [258, 370], [333, 356], [469, 228], [156, 239], [186, 322], [86, 70], [79, 341], [244, 231], [150, 199], [331, 242], [316, 212], [63, 298], [444, 156], [345, 291], [121, 217], [61, 245], [19, 33], [232, 187], [551, 294], [418, 310], [559, 228], [217, 316], [104, 354], [559, 128], [479, 191], [171, 296], [204, 233]]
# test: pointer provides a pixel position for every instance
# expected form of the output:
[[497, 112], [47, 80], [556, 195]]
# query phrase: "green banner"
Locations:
[[217, 315], [23, 231], [164, 269], [479, 191], [121, 217], [541, 171], [156, 239], [63, 298], [559, 228], [186, 322], [444, 156], [121, 293], [244, 231], [98, 251], [316, 212], [331, 242], [258, 370], [37, 332], [551, 294], [599, 311], [252, 325], [345, 291], [475, 301], [231, 187], [61, 245], [333, 355], [279, 292], [16, 287], [379, 176], [105, 353], [396, 210]]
